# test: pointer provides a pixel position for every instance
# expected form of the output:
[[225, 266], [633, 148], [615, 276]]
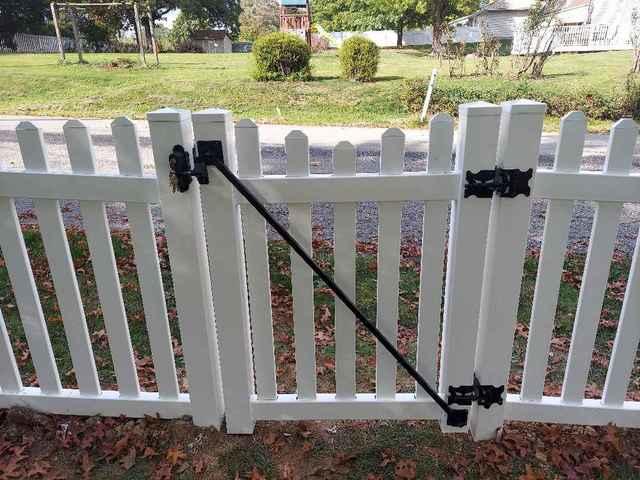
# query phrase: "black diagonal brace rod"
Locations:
[[455, 417]]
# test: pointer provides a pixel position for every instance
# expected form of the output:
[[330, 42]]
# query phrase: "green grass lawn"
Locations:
[[38, 85]]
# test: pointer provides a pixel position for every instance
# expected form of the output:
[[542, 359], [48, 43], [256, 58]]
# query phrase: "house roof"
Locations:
[[209, 35]]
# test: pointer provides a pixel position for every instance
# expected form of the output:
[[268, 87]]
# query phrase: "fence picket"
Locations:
[[573, 129], [389, 219], [58, 254], [344, 158], [27, 299], [94, 218], [434, 228], [146, 254], [227, 269], [297, 148], [518, 147], [10, 381], [627, 338], [255, 240], [477, 144], [596, 271]]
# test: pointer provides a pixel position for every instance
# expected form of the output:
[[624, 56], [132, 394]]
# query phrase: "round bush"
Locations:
[[281, 56], [359, 59]]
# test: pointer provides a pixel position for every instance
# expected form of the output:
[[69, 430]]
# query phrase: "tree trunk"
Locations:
[[400, 35], [636, 61], [436, 41]]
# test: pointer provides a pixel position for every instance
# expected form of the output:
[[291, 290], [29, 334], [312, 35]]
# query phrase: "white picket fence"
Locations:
[[219, 263]]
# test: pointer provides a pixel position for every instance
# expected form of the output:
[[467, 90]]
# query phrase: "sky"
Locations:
[[169, 18]]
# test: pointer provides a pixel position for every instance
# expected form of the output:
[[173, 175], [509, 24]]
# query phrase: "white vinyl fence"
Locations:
[[27, 43], [389, 38], [222, 286]]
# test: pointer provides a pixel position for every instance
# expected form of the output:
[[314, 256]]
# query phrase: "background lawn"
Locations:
[[37, 85]]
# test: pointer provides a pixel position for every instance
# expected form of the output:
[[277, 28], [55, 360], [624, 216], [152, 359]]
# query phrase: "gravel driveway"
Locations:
[[367, 161]]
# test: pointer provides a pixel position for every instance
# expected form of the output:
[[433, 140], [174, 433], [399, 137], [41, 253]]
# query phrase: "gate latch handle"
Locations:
[[485, 395], [205, 154], [507, 183]]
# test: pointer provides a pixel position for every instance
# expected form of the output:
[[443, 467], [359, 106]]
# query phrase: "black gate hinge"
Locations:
[[507, 183], [205, 154], [485, 395]]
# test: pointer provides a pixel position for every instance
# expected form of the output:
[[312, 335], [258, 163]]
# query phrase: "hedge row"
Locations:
[[449, 94]]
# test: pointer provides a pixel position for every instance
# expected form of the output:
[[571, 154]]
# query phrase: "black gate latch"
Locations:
[[508, 183], [205, 153], [485, 395]]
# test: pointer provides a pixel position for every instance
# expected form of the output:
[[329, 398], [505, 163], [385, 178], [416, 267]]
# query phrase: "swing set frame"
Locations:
[[73, 6]]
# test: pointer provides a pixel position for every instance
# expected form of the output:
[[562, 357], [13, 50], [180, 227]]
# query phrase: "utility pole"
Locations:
[[58, 34]]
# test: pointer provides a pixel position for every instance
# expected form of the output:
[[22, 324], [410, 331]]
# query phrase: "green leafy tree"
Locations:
[[397, 15], [184, 26], [22, 16], [221, 14], [258, 17]]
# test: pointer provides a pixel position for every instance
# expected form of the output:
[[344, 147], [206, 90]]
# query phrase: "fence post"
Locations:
[[518, 147], [182, 213], [227, 268], [478, 139]]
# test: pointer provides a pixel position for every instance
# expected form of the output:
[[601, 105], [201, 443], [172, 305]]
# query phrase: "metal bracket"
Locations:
[[507, 183], [206, 153], [485, 395]]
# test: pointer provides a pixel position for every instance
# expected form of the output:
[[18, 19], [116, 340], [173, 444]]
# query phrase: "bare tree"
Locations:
[[538, 31], [635, 39]]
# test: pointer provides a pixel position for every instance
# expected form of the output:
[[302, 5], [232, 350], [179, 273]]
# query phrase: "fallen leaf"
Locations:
[[175, 456], [129, 460], [405, 470]]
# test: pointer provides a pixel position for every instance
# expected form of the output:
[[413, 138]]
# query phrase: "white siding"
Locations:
[[574, 15], [617, 15], [501, 24]]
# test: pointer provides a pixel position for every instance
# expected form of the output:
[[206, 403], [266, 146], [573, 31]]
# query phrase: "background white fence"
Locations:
[[389, 38], [574, 38], [229, 356], [27, 43]]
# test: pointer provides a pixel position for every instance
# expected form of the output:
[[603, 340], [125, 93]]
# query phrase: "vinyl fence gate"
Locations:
[[217, 245]]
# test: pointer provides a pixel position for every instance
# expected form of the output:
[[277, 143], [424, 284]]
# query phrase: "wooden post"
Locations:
[[136, 14], [76, 36], [186, 242], [54, 16], [308, 32], [154, 43], [227, 270], [518, 147]]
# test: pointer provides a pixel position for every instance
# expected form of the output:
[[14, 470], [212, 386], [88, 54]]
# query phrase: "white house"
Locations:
[[585, 25], [501, 17]]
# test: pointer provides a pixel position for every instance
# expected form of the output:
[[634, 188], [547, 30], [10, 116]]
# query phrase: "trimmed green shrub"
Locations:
[[631, 97], [359, 59], [449, 94], [281, 56]]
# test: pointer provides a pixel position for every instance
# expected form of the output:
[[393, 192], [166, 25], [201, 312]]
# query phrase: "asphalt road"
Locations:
[[274, 160]]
